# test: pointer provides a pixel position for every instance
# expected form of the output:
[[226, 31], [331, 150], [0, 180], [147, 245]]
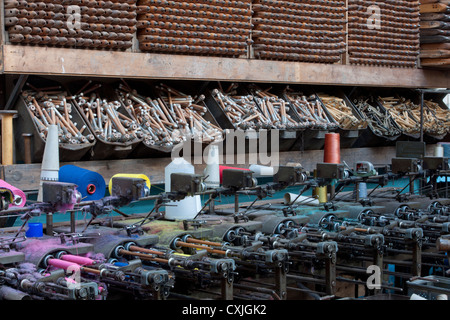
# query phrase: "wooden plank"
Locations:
[[3, 32], [435, 46], [434, 16], [97, 63], [26, 176], [435, 54], [434, 39], [434, 25], [434, 32], [435, 62], [433, 7]]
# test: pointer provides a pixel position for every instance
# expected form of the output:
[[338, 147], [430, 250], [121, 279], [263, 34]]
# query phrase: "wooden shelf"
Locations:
[[79, 62]]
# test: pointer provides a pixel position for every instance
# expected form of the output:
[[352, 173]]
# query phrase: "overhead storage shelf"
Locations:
[[125, 64]]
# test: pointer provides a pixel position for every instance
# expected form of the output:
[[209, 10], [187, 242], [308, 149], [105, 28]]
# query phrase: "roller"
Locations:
[[323, 219], [61, 264], [90, 184], [83, 261], [394, 207], [8, 293], [355, 211], [290, 197], [443, 244], [322, 194], [277, 225]]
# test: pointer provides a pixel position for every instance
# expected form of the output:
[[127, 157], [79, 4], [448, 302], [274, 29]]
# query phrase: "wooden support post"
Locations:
[[7, 136], [27, 147]]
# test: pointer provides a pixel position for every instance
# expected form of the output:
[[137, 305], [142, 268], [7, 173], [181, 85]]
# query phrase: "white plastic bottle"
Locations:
[[189, 206]]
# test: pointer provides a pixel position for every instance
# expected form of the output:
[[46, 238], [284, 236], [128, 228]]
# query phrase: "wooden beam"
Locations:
[[79, 62], [26, 176], [16, 91]]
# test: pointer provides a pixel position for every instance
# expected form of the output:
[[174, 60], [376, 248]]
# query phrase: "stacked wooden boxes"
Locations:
[[435, 33]]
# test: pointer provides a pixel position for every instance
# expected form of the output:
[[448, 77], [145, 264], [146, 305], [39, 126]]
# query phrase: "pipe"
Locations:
[[8, 293], [144, 250], [143, 256], [190, 245], [208, 243]]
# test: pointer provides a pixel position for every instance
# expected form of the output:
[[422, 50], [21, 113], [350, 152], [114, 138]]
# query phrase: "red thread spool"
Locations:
[[332, 149], [91, 188]]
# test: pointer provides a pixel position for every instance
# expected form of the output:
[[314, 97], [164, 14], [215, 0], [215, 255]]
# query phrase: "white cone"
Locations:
[[290, 197], [261, 171], [50, 160], [212, 172]]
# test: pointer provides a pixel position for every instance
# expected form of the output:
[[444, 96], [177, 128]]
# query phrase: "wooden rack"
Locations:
[[111, 64]]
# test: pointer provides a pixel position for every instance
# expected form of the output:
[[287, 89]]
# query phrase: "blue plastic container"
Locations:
[[35, 230]]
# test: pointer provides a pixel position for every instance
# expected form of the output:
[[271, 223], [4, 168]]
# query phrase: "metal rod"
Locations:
[[421, 115]]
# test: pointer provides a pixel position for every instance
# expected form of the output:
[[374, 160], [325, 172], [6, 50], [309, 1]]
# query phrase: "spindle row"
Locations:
[[195, 27], [310, 31], [76, 24], [383, 33]]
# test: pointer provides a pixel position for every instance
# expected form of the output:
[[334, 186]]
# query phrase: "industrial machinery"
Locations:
[[273, 250]]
